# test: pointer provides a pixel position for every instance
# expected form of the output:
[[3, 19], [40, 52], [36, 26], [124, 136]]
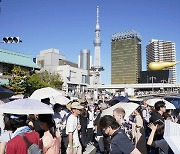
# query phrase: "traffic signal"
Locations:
[[12, 40]]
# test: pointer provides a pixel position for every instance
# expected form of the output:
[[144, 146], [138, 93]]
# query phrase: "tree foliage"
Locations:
[[24, 83], [18, 81], [53, 79], [41, 80]]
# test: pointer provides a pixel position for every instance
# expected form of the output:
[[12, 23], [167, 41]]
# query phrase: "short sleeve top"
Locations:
[[120, 143]]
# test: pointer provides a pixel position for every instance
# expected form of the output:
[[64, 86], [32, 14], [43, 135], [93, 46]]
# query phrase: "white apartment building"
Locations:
[[75, 79], [162, 51]]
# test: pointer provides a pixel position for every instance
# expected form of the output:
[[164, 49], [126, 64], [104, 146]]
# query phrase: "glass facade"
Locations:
[[125, 60]]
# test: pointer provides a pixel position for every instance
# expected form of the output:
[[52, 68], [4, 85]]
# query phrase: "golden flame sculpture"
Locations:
[[155, 66]]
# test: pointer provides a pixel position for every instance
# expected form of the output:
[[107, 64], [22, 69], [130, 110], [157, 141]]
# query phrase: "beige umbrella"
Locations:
[[59, 99], [128, 107], [42, 93], [151, 102]]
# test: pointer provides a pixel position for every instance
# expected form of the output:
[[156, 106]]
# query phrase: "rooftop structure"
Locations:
[[10, 58], [125, 35]]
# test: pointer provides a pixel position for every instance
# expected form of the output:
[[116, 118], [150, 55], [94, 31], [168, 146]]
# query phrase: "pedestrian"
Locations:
[[7, 133], [119, 114], [157, 114], [51, 139], [72, 127], [17, 144], [139, 132], [161, 145], [57, 117], [90, 125], [99, 136], [120, 143], [83, 122]]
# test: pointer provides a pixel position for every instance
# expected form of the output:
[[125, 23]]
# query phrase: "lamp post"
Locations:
[[163, 83], [152, 79]]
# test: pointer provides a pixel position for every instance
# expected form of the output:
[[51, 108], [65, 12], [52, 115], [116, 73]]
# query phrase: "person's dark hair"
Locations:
[[158, 105], [100, 101], [18, 120], [7, 123], [84, 113], [166, 115], [160, 127], [139, 110], [107, 121], [48, 119], [46, 101], [56, 107]]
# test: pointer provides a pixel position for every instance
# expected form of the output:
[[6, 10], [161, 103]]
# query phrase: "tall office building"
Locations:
[[84, 59], [162, 51], [125, 57]]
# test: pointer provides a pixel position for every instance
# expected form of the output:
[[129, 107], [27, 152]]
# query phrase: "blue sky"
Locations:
[[68, 25]]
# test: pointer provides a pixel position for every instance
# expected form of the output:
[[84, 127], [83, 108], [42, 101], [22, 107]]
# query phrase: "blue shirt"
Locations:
[[120, 143]]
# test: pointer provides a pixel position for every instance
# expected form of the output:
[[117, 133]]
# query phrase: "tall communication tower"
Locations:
[[97, 68]]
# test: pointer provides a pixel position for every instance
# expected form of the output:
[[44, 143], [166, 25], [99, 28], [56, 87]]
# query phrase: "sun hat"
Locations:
[[76, 105]]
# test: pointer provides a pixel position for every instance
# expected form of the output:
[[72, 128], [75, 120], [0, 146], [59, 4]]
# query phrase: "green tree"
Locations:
[[53, 79], [18, 81], [42, 80], [33, 83]]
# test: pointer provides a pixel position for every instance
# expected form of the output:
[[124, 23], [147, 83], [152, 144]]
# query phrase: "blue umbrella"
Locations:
[[5, 93], [118, 99]]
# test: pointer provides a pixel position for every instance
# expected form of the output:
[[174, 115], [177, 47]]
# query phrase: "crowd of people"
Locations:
[[79, 124]]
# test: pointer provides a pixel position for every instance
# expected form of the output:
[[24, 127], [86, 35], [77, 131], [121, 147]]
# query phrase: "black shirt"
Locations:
[[120, 143], [155, 117]]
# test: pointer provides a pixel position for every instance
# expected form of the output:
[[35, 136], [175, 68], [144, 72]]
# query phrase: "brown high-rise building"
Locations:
[[125, 57]]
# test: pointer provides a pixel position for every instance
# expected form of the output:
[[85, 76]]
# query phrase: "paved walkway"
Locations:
[[90, 149]]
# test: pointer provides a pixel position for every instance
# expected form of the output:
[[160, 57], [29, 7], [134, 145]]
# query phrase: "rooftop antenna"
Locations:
[[97, 14]]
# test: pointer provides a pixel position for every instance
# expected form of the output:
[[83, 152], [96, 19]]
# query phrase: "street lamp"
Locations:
[[152, 79]]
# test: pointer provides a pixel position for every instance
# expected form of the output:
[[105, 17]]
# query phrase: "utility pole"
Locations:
[[163, 83], [152, 79]]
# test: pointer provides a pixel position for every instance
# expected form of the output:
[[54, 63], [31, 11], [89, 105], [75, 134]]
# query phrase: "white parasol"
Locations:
[[25, 106], [59, 99], [172, 135], [42, 93], [152, 101], [128, 107]]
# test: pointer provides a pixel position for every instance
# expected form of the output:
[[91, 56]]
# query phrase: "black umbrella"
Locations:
[[118, 99], [5, 93]]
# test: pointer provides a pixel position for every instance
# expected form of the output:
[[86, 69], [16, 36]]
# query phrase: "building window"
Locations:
[[84, 78]]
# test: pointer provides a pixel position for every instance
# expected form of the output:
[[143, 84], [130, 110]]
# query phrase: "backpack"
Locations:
[[32, 147]]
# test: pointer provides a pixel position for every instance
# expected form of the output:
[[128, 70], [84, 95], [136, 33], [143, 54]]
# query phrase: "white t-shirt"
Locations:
[[71, 127], [1, 123], [6, 136], [90, 119]]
